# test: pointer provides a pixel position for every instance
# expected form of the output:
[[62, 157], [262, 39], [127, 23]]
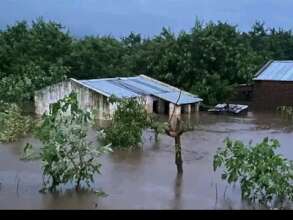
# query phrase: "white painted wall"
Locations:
[[92, 100], [88, 99], [50, 94]]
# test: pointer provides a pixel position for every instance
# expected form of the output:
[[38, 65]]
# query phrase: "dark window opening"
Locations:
[[182, 109], [166, 108], [193, 108], [156, 106]]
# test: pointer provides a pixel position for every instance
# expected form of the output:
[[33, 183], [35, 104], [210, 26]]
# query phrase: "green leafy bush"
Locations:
[[156, 125], [286, 111], [129, 120], [13, 124], [265, 177], [66, 154]]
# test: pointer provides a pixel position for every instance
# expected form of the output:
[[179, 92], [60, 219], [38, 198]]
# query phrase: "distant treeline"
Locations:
[[208, 60]]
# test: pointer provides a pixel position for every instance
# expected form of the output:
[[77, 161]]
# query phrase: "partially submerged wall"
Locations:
[[88, 99], [97, 101], [92, 101], [50, 94]]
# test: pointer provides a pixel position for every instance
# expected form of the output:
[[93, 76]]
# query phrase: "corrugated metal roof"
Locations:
[[109, 88], [150, 86], [145, 88], [137, 86], [173, 97], [278, 71]]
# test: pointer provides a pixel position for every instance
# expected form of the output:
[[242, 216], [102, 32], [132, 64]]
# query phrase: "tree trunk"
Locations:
[[156, 136], [178, 156], [77, 187]]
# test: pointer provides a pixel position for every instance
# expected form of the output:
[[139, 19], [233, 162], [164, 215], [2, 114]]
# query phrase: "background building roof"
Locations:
[[277, 71]]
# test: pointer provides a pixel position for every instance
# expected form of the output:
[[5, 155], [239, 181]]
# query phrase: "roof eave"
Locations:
[[263, 68], [170, 86], [93, 89]]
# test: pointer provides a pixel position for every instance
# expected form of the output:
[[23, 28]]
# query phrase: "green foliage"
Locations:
[[66, 154], [286, 111], [97, 57], [213, 89], [156, 125], [13, 124], [264, 175], [43, 43], [129, 120], [209, 60], [30, 78], [32, 57]]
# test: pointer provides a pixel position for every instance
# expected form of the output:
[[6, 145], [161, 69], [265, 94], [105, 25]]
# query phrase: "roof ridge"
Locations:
[[170, 86]]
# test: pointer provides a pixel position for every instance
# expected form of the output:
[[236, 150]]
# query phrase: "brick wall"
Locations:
[[268, 95]]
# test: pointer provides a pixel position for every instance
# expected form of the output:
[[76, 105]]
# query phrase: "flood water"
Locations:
[[146, 178]]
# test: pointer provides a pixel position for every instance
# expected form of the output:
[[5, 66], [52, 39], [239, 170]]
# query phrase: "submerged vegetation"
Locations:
[[13, 123], [286, 111], [66, 154], [209, 61], [265, 177], [129, 120]]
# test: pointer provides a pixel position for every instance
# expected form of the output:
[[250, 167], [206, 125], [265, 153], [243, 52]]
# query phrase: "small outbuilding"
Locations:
[[273, 85], [157, 97]]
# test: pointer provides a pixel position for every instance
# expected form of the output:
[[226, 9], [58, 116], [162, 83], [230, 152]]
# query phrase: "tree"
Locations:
[[213, 89], [129, 121], [66, 154], [264, 176], [20, 87], [97, 57], [176, 134], [32, 57], [175, 128], [208, 60], [13, 123], [43, 43]]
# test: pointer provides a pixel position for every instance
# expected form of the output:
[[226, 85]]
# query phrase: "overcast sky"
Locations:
[[120, 17]]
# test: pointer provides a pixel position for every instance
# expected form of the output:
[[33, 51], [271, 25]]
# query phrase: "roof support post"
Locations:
[[196, 107], [149, 104]]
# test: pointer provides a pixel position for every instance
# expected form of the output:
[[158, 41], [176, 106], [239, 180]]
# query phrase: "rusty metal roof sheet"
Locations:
[[277, 71]]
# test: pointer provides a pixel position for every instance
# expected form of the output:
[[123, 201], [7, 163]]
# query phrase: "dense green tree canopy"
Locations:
[[208, 60]]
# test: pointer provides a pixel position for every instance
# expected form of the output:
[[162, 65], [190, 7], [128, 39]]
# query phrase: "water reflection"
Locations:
[[132, 157], [71, 199], [178, 188]]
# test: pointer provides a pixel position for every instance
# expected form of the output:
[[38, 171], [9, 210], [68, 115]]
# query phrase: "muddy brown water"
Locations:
[[146, 178]]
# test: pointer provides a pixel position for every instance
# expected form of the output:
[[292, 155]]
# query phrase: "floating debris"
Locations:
[[229, 108]]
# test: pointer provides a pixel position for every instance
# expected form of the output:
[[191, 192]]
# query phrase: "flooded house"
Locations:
[[273, 85], [94, 94]]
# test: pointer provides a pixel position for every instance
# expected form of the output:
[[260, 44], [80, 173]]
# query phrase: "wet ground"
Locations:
[[146, 179]]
